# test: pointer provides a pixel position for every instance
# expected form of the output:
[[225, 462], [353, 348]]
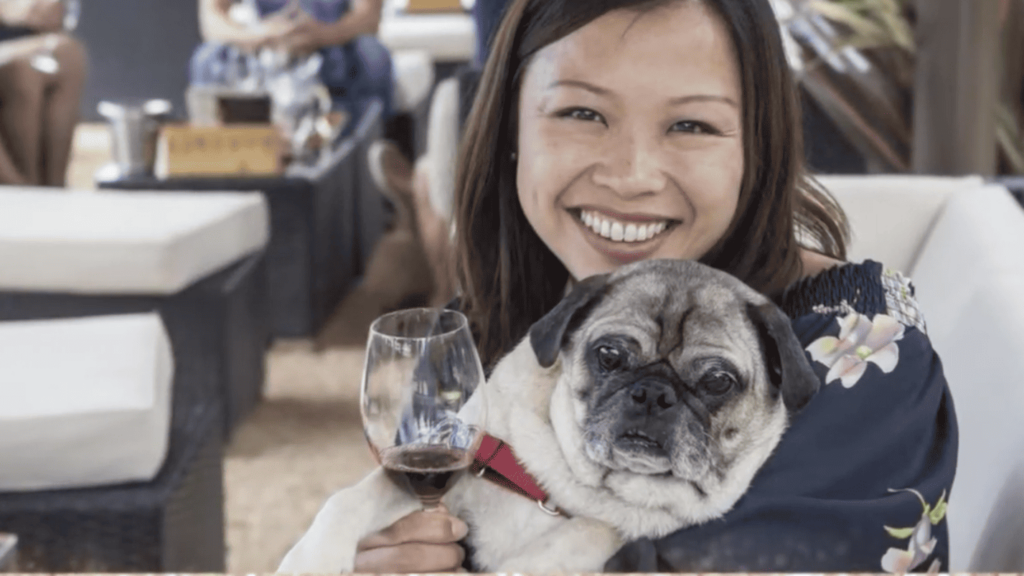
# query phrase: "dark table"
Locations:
[[324, 220]]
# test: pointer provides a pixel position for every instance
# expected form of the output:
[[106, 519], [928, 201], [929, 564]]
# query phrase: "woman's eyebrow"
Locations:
[[704, 98], [570, 83]]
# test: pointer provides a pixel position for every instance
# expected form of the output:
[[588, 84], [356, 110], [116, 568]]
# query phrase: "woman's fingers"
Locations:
[[426, 527], [413, 557], [420, 542]]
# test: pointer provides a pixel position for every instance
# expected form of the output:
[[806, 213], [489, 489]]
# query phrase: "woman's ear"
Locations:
[[548, 335]]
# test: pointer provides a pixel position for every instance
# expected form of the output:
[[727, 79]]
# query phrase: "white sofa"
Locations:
[[961, 241]]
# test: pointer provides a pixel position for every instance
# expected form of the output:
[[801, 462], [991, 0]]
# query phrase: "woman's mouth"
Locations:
[[626, 232]]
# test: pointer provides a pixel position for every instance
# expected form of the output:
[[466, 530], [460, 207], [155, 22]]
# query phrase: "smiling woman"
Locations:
[[609, 131], [624, 120], [628, 150]]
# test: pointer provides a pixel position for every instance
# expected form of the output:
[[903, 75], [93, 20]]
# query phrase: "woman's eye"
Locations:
[[584, 114], [608, 358], [693, 127]]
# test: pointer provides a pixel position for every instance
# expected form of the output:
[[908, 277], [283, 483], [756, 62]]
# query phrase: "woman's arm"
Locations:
[[310, 34], [216, 25]]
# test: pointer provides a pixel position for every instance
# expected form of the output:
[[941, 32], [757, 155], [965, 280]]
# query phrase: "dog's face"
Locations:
[[680, 377]]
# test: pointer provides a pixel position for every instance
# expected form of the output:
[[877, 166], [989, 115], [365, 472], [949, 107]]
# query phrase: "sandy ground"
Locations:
[[305, 440]]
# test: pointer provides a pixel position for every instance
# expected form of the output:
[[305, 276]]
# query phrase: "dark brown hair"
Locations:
[[508, 276]]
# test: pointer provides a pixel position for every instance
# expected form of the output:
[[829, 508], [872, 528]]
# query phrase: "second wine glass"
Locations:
[[419, 413]]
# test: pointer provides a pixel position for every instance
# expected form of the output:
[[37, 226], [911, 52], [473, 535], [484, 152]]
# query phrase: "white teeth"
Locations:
[[620, 231], [617, 232]]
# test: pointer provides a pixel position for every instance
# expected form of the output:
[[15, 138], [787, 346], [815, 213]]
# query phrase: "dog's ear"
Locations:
[[788, 368], [548, 334]]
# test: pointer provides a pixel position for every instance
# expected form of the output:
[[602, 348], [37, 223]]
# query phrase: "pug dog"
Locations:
[[644, 402]]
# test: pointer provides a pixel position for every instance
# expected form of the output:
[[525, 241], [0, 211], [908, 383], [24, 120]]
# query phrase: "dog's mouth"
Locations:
[[635, 437]]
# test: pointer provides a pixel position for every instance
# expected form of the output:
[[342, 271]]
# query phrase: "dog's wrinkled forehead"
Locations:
[[666, 291]]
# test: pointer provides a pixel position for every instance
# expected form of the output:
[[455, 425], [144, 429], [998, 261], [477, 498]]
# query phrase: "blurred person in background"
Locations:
[[42, 74], [356, 66]]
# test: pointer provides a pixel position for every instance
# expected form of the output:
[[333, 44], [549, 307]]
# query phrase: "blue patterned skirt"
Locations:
[[353, 73]]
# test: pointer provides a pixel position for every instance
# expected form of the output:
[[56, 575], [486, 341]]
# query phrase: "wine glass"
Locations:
[[420, 416]]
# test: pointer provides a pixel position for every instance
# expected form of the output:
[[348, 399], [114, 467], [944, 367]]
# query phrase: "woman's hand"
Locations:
[[424, 541], [304, 36], [38, 15]]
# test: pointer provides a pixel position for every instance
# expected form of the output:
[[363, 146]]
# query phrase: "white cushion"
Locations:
[[123, 242], [83, 402], [446, 37], [978, 234], [982, 351], [413, 71], [890, 216], [969, 279]]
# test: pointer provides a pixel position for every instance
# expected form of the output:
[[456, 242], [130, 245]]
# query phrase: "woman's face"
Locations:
[[630, 144]]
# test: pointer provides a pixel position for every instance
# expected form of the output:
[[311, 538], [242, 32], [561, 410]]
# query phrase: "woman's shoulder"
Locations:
[[837, 289]]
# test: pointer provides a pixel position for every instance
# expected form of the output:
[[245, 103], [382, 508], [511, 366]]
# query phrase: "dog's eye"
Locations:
[[609, 358], [719, 383]]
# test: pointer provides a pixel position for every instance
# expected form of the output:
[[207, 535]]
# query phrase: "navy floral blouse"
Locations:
[[860, 479]]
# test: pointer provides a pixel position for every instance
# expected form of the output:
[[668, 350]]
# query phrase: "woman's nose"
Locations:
[[630, 166]]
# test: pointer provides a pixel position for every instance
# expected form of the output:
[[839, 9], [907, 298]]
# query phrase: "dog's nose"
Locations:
[[653, 395]]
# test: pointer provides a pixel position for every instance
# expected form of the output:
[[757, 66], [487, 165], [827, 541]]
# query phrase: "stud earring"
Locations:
[[513, 156]]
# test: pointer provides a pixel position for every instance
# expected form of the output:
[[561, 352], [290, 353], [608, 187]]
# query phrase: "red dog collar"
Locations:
[[496, 461]]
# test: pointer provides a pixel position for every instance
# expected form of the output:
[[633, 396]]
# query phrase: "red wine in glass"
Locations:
[[427, 471]]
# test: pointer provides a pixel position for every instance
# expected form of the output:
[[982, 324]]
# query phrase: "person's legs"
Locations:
[[9, 173], [22, 88], [60, 116], [374, 77]]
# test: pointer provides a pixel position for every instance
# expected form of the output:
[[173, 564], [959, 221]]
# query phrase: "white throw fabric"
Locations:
[[83, 401]]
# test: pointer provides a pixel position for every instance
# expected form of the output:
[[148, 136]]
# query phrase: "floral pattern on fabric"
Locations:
[[921, 543], [861, 340]]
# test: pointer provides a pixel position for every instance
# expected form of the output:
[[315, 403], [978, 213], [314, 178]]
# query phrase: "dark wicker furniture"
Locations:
[[175, 523], [8, 552], [218, 330]]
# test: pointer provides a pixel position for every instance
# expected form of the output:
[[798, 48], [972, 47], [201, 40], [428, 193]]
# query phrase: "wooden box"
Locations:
[[224, 150]]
